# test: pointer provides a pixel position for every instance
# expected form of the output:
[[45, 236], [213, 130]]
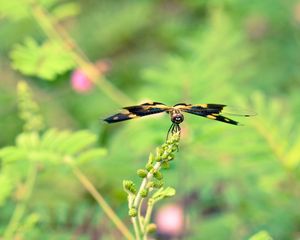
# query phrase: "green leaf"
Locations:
[[14, 9], [262, 235], [57, 139], [28, 140], [66, 10], [293, 156], [77, 142], [163, 193], [46, 61], [29, 110], [48, 137], [17, 10], [12, 153], [92, 154]]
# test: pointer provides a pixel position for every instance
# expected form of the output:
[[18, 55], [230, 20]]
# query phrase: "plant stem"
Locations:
[[148, 214], [102, 203], [136, 228], [57, 33], [164, 154], [144, 184], [21, 207]]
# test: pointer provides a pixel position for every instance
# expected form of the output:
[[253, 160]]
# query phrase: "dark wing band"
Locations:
[[211, 111], [137, 111]]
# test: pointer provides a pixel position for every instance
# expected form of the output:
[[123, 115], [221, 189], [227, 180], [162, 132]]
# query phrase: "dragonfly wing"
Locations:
[[137, 111], [211, 111]]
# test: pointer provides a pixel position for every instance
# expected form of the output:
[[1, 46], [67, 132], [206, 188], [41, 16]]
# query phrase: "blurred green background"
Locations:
[[231, 182]]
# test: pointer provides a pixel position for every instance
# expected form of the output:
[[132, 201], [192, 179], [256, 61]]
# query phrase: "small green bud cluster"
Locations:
[[165, 153], [129, 186], [144, 193], [142, 173], [165, 165], [158, 175], [155, 184], [158, 184], [151, 228], [132, 212], [152, 181]]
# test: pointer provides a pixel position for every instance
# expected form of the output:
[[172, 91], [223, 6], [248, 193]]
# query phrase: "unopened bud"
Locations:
[[142, 173]]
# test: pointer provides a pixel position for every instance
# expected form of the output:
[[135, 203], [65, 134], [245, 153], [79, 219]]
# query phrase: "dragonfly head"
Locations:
[[177, 117]]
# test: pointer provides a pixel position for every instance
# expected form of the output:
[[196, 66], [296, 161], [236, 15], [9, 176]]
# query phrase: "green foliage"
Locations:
[[53, 147], [163, 193], [6, 188], [29, 110], [17, 10], [262, 235], [148, 188], [45, 61], [236, 182], [66, 10]]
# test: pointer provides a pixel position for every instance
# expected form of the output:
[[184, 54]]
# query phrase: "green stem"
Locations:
[[133, 219], [147, 218], [148, 214], [22, 205], [141, 225], [138, 199], [98, 197], [136, 228], [147, 179], [163, 155], [57, 33]]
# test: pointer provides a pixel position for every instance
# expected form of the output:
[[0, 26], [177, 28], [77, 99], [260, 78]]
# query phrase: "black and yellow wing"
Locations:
[[210, 110], [137, 111]]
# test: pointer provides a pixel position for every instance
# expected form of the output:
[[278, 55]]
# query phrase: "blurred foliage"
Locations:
[[46, 61], [234, 182], [18, 10], [262, 235]]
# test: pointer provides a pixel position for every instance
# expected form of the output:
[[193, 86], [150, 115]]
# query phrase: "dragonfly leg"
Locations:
[[174, 128]]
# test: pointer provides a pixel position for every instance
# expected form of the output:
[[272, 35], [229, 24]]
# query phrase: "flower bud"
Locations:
[[158, 158], [165, 164], [144, 193], [142, 173], [151, 158], [128, 185], [149, 167], [165, 155], [158, 175], [158, 184], [151, 228], [170, 157], [132, 212], [150, 184], [159, 151]]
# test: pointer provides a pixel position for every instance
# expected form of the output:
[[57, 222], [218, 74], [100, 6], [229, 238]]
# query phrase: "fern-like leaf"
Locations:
[[90, 155], [45, 61], [17, 10], [53, 146]]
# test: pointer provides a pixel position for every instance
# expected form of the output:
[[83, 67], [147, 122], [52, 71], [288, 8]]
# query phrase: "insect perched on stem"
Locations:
[[211, 111]]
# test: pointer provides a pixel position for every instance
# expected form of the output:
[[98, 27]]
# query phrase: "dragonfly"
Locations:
[[208, 110]]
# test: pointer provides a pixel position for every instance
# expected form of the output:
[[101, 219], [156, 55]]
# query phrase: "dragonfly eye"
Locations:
[[177, 118]]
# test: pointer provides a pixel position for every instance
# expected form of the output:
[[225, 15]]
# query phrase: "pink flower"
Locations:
[[170, 220], [80, 81]]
